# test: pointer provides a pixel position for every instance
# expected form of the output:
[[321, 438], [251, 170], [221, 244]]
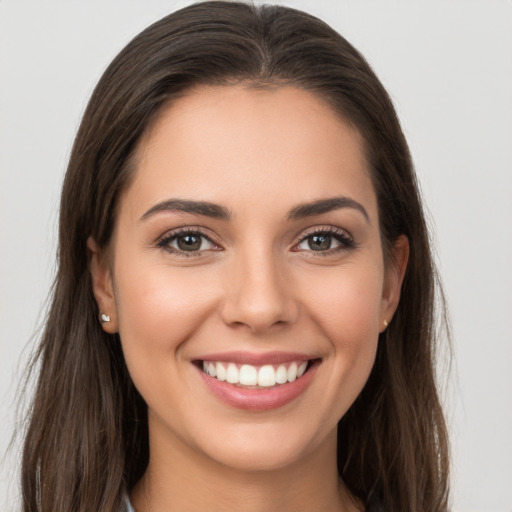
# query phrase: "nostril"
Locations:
[[260, 302]]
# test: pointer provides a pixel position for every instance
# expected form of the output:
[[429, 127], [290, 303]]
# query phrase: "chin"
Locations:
[[266, 448]]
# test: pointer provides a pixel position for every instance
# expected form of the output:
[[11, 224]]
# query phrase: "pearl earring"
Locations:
[[104, 318]]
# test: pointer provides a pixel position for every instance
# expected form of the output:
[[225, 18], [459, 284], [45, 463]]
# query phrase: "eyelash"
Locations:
[[168, 238], [345, 240]]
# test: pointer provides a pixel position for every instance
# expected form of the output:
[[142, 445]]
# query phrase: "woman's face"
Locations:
[[248, 245]]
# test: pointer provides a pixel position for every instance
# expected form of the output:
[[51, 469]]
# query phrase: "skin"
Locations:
[[257, 286]]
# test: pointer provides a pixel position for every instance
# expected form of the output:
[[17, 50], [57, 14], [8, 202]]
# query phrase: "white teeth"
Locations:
[[232, 374], [267, 376], [281, 375], [221, 371], [292, 372], [249, 375]]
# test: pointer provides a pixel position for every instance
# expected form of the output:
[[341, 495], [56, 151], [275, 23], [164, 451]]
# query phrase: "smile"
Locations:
[[255, 376], [257, 382]]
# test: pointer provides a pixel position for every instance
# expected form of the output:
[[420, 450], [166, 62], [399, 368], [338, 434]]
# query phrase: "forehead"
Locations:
[[243, 145]]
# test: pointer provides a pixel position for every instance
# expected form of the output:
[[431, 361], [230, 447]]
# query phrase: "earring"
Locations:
[[386, 324], [104, 318]]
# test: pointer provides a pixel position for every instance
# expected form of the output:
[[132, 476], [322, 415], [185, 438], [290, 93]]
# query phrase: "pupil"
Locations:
[[320, 242], [189, 242]]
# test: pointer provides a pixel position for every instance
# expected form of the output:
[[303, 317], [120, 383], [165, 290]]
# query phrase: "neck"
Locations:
[[182, 479]]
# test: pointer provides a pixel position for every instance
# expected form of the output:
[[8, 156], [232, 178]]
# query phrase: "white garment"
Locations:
[[128, 507]]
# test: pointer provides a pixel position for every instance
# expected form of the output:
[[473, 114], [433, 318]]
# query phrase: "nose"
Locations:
[[259, 294]]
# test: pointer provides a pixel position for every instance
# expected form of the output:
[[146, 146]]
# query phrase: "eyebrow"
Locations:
[[326, 205], [220, 212], [195, 207]]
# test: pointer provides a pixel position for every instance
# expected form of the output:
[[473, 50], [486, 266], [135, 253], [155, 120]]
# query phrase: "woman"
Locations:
[[243, 312]]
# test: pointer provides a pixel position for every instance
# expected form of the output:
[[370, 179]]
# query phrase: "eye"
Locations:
[[186, 242], [327, 240]]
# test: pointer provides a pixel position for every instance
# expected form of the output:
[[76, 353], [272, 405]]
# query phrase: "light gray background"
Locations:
[[448, 67]]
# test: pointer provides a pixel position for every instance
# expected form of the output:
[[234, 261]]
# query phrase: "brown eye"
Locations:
[[191, 242], [330, 240], [185, 242], [319, 242]]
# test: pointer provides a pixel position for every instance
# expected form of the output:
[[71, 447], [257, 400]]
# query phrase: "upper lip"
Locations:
[[256, 359]]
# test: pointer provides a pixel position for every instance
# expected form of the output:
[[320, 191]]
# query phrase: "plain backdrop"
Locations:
[[448, 67]]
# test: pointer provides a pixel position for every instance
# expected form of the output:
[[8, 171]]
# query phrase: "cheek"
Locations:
[[346, 302], [345, 305], [159, 306], [159, 309]]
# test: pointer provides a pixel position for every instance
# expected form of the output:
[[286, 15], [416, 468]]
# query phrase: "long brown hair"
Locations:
[[87, 438]]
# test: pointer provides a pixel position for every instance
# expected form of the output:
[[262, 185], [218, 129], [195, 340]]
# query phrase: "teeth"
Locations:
[[282, 375], [266, 376], [292, 372], [232, 374], [249, 375], [301, 369], [221, 371]]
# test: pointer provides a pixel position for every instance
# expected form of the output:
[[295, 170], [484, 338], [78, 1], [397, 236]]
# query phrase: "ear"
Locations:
[[102, 285], [394, 276]]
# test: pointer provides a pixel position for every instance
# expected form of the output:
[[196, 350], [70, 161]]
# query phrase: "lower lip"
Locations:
[[263, 399]]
